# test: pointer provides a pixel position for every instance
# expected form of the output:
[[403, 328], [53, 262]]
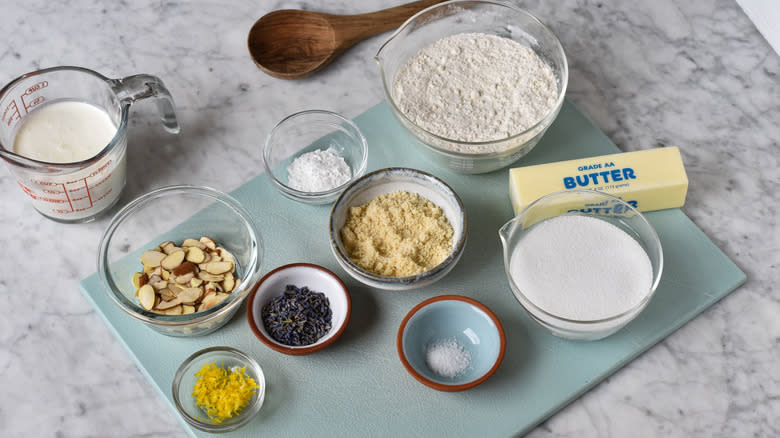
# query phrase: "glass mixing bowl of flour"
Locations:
[[582, 263], [477, 83]]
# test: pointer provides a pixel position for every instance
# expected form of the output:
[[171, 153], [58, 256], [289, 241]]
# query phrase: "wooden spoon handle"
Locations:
[[361, 26]]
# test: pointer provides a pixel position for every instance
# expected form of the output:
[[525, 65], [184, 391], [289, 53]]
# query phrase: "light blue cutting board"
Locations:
[[358, 387]]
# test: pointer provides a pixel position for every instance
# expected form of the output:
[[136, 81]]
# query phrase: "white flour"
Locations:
[[580, 267], [475, 87], [318, 171]]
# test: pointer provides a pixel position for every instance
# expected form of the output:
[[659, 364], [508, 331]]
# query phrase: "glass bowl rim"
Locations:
[[161, 320], [356, 173], [542, 123], [455, 253], [246, 414], [589, 322]]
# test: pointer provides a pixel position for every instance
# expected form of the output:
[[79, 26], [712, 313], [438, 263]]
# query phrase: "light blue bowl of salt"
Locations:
[[451, 343]]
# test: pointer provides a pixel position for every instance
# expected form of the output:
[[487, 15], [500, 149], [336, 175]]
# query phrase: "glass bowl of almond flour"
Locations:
[[477, 83]]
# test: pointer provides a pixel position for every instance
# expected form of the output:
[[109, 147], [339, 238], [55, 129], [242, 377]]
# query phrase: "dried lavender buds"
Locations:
[[298, 317]]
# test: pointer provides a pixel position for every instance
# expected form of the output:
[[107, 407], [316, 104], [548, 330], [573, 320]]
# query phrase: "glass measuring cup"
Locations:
[[78, 191]]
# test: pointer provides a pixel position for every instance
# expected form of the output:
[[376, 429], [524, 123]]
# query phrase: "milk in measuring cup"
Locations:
[[70, 132], [64, 132]]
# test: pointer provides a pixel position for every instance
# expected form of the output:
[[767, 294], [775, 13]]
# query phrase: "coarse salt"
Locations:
[[447, 358], [318, 171]]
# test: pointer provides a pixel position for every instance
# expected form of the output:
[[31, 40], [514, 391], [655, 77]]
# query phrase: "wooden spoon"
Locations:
[[292, 44]]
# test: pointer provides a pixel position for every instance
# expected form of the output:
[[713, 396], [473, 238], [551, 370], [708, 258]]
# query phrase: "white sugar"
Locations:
[[581, 267], [447, 358]]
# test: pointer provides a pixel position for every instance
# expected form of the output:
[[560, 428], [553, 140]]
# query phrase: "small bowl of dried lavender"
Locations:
[[299, 308]]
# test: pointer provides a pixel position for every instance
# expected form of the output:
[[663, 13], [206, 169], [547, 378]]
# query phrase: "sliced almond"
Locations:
[[217, 268], [185, 268], [184, 279], [140, 279], [209, 301], [195, 255], [208, 242], [214, 257], [152, 258], [186, 310], [172, 260], [146, 296], [205, 276], [166, 275], [226, 255], [229, 282], [165, 305], [192, 242], [149, 269], [196, 282], [167, 293], [190, 295], [167, 247], [174, 311], [159, 285]]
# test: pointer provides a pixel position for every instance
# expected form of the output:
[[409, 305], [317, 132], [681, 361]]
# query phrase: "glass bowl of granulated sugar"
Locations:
[[583, 264], [476, 83], [312, 156]]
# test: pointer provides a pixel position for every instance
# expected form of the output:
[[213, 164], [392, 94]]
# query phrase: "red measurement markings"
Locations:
[[36, 100], [11, 113], [65, 189], [26, 190], [86, 186]]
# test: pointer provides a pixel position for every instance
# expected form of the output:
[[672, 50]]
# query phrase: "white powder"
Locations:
[[318, 171], [475, 87], [581, 267], [447, 358]]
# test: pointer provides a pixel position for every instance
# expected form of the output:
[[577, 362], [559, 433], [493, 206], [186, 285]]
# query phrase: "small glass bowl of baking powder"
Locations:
[[471, 117], [312, 156]]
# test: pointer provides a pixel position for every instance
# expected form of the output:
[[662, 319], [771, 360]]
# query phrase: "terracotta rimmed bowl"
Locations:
[[317, 279], [471, 324], [392, 179]]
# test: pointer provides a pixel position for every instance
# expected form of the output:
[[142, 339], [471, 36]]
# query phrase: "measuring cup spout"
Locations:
[[137, 87], [503, 233]]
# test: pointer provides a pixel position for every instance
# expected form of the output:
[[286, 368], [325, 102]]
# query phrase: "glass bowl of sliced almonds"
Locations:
[[181, 259]]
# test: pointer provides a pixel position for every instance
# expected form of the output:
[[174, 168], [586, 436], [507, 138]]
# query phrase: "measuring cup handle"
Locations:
[[137, 87]]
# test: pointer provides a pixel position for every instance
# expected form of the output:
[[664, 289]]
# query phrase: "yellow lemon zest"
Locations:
[[223, 392]]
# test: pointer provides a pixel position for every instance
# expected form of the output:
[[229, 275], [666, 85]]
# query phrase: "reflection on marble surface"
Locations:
[[695, 74]]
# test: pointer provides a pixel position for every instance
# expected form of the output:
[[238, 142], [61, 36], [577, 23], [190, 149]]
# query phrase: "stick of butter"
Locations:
[[652, 179]]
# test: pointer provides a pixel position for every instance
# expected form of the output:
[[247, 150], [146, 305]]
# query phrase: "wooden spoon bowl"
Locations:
[[292, 44]]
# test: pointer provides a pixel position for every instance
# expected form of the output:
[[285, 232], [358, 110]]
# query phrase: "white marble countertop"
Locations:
[[695, 74]]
